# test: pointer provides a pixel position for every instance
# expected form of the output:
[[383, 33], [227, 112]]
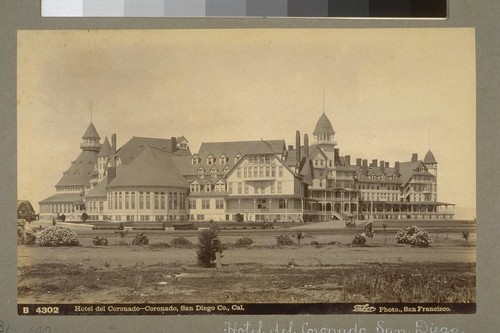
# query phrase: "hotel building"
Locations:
[[150, 179]]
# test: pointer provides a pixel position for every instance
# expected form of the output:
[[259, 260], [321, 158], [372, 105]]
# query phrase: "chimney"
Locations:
[[414, 157], [386, 164], [358, 162], [374, 163], [365, 167], [382, 166], [111, 172], [290, 147], [306, 145], [173, 144], [297, 146], [336, 157], [113, 151], [396, 168], [347, 159]]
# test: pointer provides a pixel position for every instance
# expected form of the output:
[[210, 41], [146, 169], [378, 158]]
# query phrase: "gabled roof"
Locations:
[[25, 203], [134, 147], [408, 169], [91, 132], [68, 197], [80, 170], [99, 191], [153, 167], [323, 126], [230, 150], [429, 158], [105, 149]]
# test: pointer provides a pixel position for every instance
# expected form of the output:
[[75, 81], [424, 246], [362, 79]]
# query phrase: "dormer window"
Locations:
[[237, 158], [195, 160], [210, 159], [223, 159], [201, 171], [226, 169]]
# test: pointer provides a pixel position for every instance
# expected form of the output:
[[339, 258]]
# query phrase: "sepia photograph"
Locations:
[[259, 171]]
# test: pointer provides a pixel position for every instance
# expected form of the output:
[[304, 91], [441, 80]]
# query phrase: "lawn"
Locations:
[[325, 268]]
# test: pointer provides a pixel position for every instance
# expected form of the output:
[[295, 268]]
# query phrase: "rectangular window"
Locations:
[[246, 188], [162, 200], [141, 200], [157, 200], [245, 174], [255, 171], [230, 187], [148, 200], [205, 204], [279, 187], [170, 200], [280, 170], [101, 206], [239, 188], [268, 171], [273, 172], [282, 204], [192, 204], [261, 171], [127, 203], [272, 188], [219, 204], [238, 173], [175, 200], [119, 200], [116, 201], [132, 200], [200, 217]]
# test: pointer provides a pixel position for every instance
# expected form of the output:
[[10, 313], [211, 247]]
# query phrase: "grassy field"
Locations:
[[325, 268]]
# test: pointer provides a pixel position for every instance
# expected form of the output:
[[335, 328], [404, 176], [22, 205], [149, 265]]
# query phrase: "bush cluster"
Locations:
[[100, 241], [413, 235], [244, 241], [284, 240], [181, 242], [209, 244], [359, 239], [57, 236], [140, 239]]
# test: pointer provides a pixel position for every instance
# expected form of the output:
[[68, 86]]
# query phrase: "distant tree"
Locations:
[[209, 244], [84, 217]]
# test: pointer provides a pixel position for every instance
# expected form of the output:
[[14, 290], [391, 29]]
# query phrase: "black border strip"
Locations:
[[244, 309]]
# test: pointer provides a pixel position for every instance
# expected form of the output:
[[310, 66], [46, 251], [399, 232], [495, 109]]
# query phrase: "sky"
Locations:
[[388, 93]]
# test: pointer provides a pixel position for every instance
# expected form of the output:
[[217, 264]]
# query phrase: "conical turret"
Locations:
[[91, 139]]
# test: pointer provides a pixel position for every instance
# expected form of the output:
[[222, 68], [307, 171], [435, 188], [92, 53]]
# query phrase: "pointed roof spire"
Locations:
[[429, 158], [105, 149], [323, 126], [91, 132]]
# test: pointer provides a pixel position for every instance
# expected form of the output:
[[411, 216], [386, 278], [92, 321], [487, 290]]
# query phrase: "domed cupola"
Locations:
[[323, 132]]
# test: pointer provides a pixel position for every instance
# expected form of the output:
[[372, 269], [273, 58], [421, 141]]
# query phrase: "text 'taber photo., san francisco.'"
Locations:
[[315, 210]]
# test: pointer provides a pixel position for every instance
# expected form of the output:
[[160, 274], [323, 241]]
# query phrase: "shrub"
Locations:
[[100, 241], [181, 242], [84, 217], [57, 236], [359, 239], [413, 235], [284, 240], [245, 241], [208, 245], [140, 239]]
